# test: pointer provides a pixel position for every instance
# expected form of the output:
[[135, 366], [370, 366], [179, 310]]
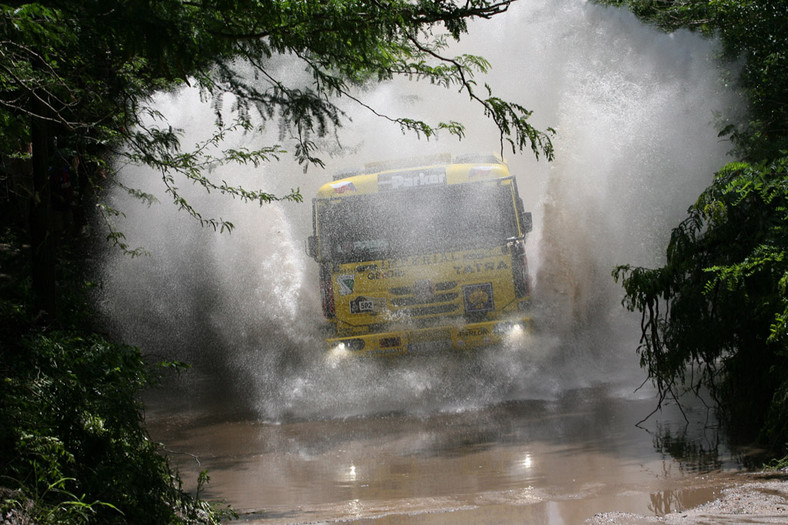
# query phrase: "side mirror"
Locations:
[[312, 247], [526, 222]]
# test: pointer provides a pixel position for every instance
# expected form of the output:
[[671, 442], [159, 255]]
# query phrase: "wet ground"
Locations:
[[561, 460]]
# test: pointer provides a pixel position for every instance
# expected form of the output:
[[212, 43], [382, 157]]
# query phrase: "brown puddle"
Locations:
[[554, 462]]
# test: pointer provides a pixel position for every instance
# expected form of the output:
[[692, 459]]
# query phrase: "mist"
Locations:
[[635, 112]]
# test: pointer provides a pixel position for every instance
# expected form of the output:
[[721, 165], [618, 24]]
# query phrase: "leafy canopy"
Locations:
[[95, 65], [716, 315]]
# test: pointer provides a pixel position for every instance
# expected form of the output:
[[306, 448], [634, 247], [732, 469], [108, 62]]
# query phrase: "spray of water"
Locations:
[[634, 111]]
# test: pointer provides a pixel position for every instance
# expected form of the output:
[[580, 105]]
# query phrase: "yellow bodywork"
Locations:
[[366, 183], [424, 302]]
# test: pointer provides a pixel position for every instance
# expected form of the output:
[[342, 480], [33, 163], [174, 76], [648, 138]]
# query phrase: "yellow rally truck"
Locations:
[[419, 258]]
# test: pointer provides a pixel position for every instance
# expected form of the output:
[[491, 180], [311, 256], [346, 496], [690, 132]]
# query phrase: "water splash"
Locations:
[[636, 143]]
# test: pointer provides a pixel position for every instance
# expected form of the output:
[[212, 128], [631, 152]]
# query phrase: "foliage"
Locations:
[[94, 69], [716, 315], [73, 448], [719, 304]]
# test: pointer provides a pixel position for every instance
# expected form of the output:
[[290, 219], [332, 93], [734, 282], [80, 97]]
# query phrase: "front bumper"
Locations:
[[423, 341]]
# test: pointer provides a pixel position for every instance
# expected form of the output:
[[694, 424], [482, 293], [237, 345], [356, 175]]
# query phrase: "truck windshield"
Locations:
[[399, 223]]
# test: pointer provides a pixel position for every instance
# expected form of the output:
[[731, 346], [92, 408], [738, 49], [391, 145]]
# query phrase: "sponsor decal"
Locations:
[[346, 284], [478, 298], [374, 276], [473, 332], [480, 267], [343, 186], [479, 172], [450, 257], [405, 180], [366, 305]]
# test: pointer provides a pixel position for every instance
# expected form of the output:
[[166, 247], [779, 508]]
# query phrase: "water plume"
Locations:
[[634, 111]]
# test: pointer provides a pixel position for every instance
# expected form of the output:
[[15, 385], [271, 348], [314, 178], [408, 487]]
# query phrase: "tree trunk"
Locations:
[[42, 239]]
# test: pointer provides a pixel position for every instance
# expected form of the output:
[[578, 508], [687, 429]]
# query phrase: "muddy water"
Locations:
[[555, 461]]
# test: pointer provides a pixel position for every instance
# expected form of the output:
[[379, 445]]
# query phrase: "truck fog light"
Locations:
[[510, 331], [337, 353], [516, 330], [342, 349]]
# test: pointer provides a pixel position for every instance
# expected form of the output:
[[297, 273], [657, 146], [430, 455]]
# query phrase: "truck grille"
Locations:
[[425, 311], [408, 290], [437, 298], [407, 302]]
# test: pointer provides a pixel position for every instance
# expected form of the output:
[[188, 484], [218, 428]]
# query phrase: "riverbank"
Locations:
[[760, 498]]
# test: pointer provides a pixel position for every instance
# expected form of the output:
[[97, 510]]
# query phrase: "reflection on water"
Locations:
[[698, 454], [667, 501], [550, 461]]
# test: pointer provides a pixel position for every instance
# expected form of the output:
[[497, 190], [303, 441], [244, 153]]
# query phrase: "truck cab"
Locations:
[[422, 257]]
